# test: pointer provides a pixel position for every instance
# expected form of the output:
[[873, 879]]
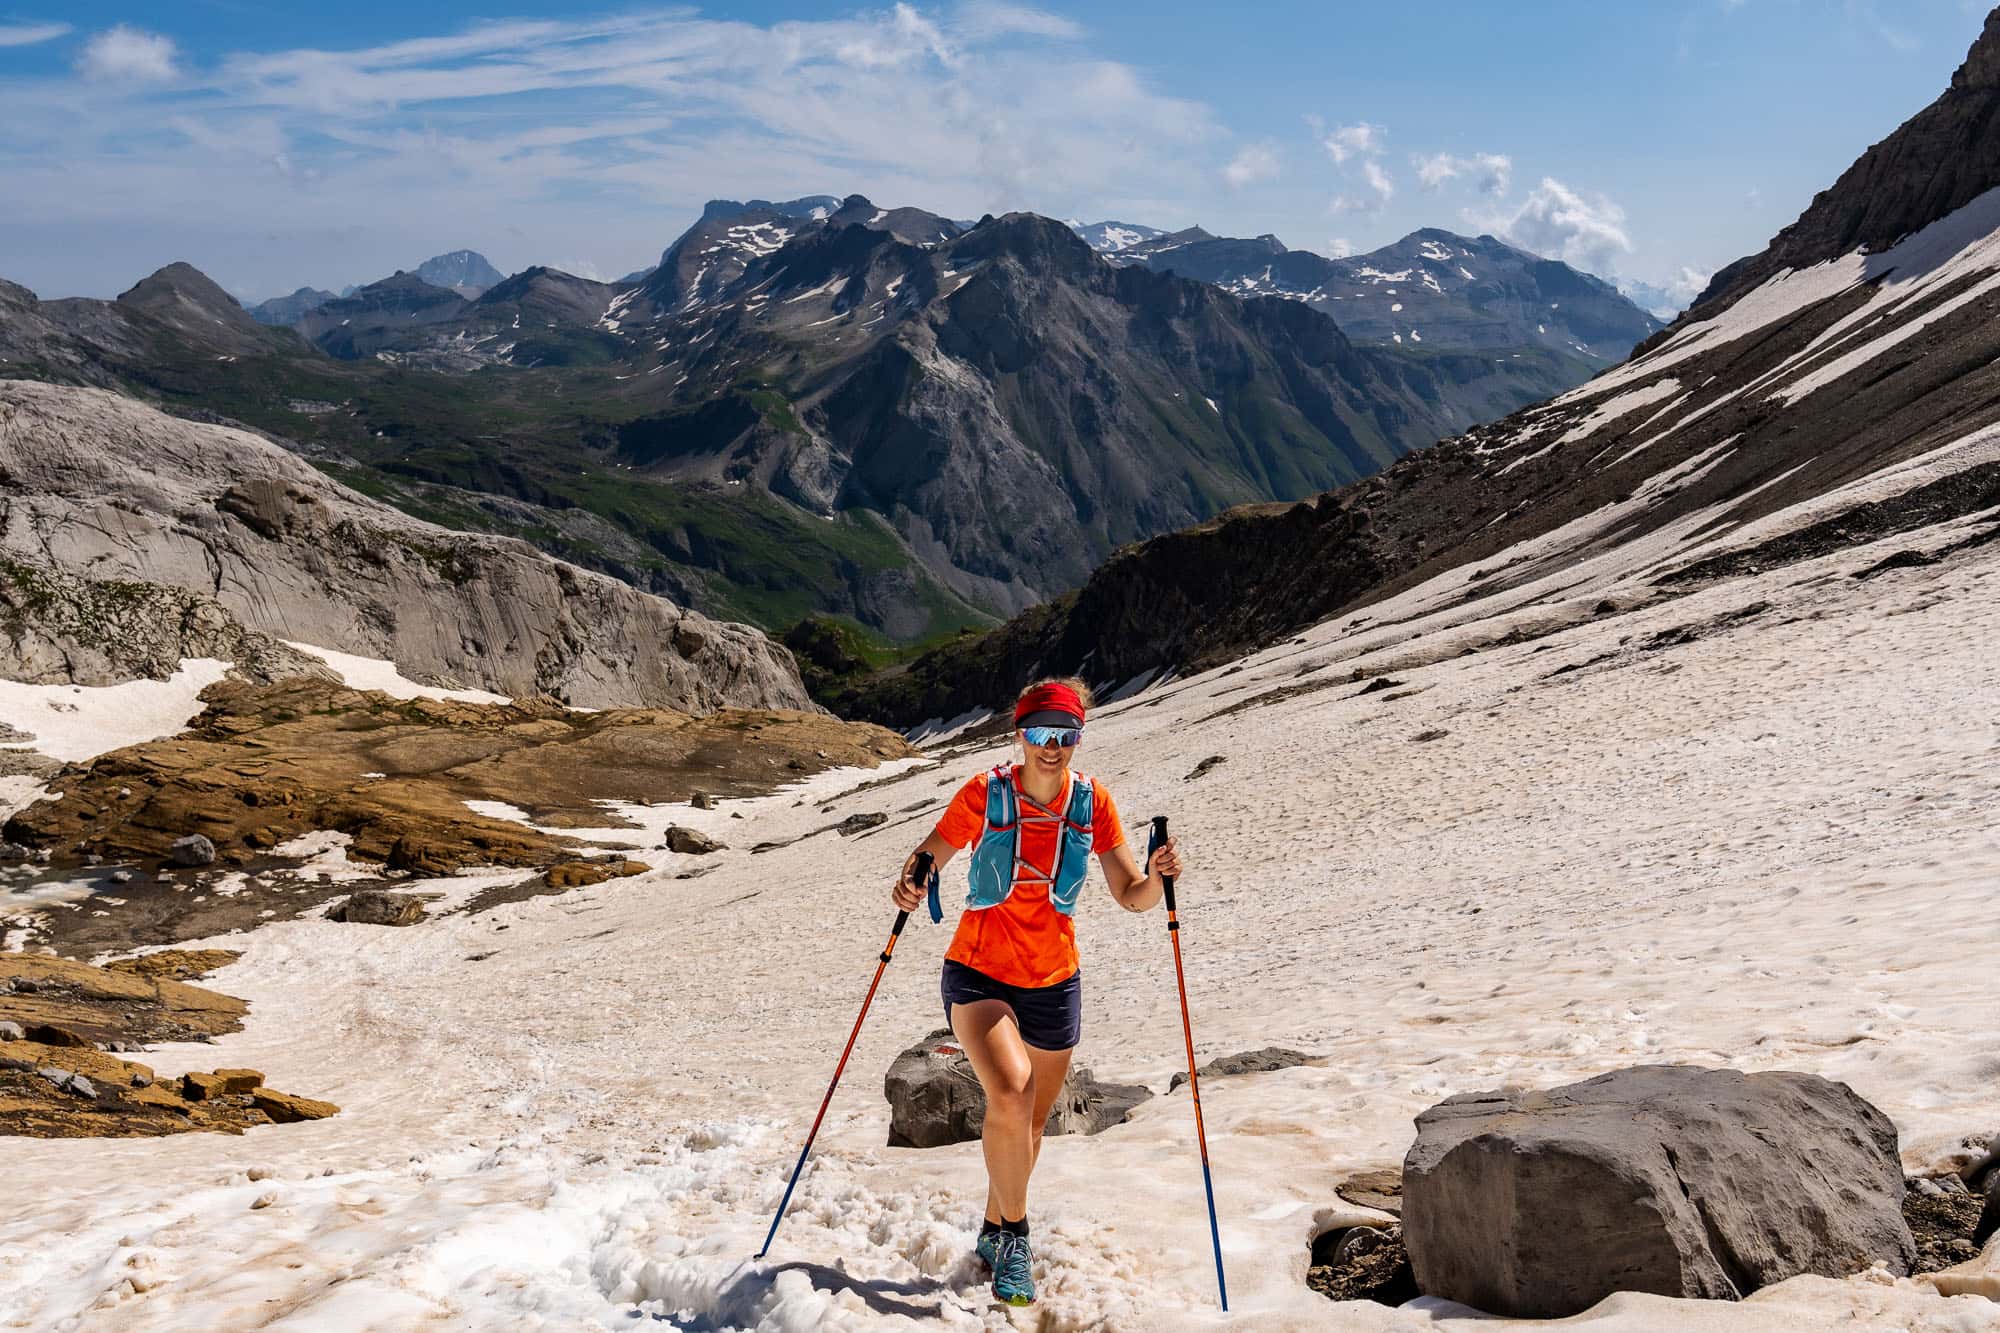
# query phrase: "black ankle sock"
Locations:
[[989, 1227], [1019, 1228]]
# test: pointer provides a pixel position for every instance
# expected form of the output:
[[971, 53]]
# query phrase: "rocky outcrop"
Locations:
[[104, 485], [378, 907], [1937, 161], [935, 1098], [59, 629], [61, 1022], [263, 765], [1670, 1179]]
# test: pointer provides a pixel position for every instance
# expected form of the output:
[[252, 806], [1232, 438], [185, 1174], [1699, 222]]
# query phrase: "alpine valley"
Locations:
[[821, 408]]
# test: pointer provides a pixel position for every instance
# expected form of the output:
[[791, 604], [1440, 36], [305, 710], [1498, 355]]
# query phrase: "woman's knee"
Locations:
[[1010, 1093]]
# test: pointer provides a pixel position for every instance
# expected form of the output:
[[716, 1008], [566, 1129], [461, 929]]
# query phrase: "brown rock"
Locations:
[[375, 907], [576, 874], [239, 1080], [48, 1034], [287, 1109], [176, 964], [203, 1087], [689, 842], [155, 1095]]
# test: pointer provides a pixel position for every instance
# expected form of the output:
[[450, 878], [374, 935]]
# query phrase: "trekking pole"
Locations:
[[1159, 838], [922, 871]]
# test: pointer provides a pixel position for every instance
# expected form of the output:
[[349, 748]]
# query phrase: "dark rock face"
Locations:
[[1939, 160], [689, 842], [935, 1098], [377, 907], [1668, 1179]]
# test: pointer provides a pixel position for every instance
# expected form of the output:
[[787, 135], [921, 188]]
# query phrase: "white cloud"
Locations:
[[1378, 180], [1358, 140], [1584, 231], [593, 137], [982, 19], [1339, 247], [1253, 164], [31, 34], [1491, 173], [127, 55]]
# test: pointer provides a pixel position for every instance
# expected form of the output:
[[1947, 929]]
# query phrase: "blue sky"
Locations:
[[275, 144]]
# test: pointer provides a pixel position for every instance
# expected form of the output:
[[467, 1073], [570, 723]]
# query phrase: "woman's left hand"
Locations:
[[1165, 861]]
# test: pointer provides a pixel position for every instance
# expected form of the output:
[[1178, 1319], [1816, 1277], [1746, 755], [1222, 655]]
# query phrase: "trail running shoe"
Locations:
[[1013, 1284], [988, 1250]]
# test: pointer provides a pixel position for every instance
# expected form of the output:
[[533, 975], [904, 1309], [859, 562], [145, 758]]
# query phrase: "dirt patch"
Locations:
[[1362, 1264], [1943, 1218]]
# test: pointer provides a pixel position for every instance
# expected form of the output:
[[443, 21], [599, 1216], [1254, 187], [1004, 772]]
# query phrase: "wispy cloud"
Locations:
[[1490, 173], [127, 55], [1255, 163], [601, 135], [32, 34], [1357, 140]]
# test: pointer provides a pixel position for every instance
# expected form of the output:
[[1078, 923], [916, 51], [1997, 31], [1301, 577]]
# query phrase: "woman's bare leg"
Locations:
[[992, 1041]]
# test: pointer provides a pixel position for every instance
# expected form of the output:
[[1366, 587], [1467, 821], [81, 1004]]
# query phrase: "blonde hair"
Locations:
[[1074, 682]]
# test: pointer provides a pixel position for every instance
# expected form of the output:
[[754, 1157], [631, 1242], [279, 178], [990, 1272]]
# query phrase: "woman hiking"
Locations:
[[1012, 991]]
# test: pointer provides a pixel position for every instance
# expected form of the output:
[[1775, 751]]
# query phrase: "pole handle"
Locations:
[[1158, 840], [920, 873]]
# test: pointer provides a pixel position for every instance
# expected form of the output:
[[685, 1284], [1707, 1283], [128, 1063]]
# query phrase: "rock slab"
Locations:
[[1670, 1179], [935, 1098], [377, 907]]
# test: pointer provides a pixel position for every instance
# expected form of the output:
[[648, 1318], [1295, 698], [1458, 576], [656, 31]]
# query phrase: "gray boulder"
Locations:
[[193, 850], [1669, 1179], [935, 1098], [377, 907], [13, 1032], [1260, 1061]]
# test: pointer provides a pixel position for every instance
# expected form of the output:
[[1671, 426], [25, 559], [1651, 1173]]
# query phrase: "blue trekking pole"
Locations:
[[921, 873], [1153, 844]]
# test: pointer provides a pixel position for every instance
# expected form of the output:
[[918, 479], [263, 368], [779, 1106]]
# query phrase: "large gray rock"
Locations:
[[1670, 1179], [96, 483], [935, 1098]]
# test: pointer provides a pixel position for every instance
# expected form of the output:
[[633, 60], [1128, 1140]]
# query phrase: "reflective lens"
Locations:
[[1063, 736]]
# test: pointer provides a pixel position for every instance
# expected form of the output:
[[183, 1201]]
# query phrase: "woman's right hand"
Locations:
[[909, 896]]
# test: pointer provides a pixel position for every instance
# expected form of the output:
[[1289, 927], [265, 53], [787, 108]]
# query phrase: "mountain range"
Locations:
[[809, 406], [1433, 288], [1840, 387]]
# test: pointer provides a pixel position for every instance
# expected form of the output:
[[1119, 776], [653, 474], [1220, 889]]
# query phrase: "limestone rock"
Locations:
[[191, 851], [935, 1098], [100, 482], [287, 1109], [690, 842], [197, 1087], [1670, 1179], [239, 1080], [378, 907]]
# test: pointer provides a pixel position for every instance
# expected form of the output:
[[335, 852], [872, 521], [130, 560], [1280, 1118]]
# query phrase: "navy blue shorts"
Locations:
[[1050, 1017]]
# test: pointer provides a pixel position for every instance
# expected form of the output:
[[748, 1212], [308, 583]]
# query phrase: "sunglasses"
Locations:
[[1063, 736]]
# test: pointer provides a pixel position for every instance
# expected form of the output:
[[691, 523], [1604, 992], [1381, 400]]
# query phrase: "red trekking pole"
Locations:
[[1187, 1030], [921, 872]]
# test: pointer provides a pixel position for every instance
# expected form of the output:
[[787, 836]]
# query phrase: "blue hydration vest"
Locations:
[[997, 857]]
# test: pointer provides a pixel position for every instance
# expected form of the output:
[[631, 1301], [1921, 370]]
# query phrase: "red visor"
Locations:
[[1051, 698]]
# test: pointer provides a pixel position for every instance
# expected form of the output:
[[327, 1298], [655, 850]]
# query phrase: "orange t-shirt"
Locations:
[[1022, 940]]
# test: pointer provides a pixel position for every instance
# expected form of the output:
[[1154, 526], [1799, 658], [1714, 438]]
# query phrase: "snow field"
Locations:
[[76, 722], [1769, 847]]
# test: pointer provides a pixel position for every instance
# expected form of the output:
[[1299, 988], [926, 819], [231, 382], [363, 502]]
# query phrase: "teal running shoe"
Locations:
[[1013, 1284], [988, 1250]]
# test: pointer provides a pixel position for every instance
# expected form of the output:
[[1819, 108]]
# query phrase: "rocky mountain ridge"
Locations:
[[1432, 288], [1853, 399], [100, 487]]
